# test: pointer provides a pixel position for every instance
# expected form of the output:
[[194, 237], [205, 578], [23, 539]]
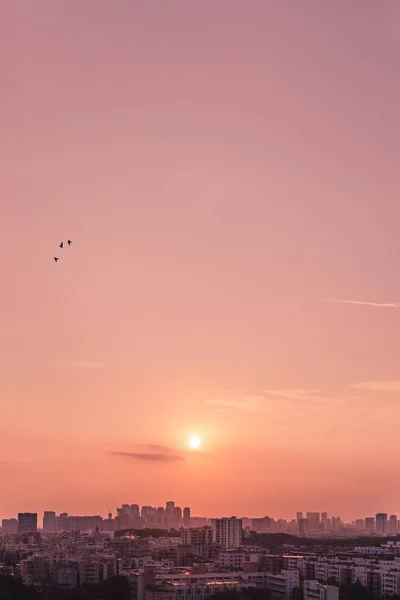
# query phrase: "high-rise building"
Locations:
[[49, 521], [27, 522], [9, 526], [393, 525], [299, 516], [197, 536], [360, 524], [370, 524], [186, 516], [177, 515], [169, 508], [135, 511], [227, 532], [313, 519], [381, 523]]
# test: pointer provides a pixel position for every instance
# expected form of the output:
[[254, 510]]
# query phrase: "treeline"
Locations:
[[115, 588], [155, 533], [248, 594], [275, 540]]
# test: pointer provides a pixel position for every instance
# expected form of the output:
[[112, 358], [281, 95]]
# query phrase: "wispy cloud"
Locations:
[[296, 395], [151, 452], [378, 386], [365, 303], [255, 402], [245, 404]]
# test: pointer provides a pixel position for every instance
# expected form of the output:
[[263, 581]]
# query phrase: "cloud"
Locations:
[[245, 404], [253, 403], [365, 303], [378, 386], [296, 395], [152, 452]]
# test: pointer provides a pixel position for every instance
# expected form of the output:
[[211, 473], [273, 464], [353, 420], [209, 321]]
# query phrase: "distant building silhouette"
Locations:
[[27, 522]]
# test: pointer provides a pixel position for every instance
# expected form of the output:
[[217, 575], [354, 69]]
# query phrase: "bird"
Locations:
[[55, 258], [69, 242], [61, 245]]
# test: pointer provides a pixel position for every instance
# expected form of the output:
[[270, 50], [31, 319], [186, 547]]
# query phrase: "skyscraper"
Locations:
[[27, 522], [186, 516], [49, 521], [227, 532], [393, 525], [370, 524], [381, 523], [177, 515]]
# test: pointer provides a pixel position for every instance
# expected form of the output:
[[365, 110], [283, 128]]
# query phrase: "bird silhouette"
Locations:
[[69, 242], [61, 245], [55, 258]]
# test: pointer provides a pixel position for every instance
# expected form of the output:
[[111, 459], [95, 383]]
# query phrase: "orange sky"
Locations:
[[224, 169]]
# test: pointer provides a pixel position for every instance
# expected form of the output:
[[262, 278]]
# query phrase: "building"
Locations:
[[9, 526], [175, 590], [381, 520], [313, 590], [177, 515], [227, 532], [89, 572], [65, 575], [186, 516], [49, 521], [238, 559], [27, 522], [280, 585], [370, 524], [392, 529], [390, 583], [197, 536], [34, 570]]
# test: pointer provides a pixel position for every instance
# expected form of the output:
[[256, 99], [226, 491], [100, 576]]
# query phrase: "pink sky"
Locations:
[[224, 167]]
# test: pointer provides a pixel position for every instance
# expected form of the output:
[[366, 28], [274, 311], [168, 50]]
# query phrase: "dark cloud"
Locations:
[[163, 454]]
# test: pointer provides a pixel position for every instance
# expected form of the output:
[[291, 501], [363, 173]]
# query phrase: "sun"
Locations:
[[194, 442]]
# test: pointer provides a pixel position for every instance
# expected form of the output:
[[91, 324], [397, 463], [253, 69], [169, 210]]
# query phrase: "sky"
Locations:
[[228, 173]]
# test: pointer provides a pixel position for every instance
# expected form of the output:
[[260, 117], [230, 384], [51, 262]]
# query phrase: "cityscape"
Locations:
[[170, 516], [165, 553], [200, 300]]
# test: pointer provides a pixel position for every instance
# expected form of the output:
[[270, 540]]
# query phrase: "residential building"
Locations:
[[27, 522], [381, 520], [227, 532], [312, 590], [49, 522]]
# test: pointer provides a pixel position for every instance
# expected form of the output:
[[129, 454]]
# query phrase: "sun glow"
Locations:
[[194, 442]]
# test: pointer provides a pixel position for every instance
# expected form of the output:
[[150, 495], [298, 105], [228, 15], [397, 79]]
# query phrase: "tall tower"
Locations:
[[381, 521], [27, 522]]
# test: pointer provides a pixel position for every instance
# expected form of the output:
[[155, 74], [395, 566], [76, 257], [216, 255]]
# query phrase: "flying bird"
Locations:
[[69, 242], [55, 258], [61, 245]]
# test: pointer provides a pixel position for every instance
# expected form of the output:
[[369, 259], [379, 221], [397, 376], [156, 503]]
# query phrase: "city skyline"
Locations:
[[172, 516], [226, 325]]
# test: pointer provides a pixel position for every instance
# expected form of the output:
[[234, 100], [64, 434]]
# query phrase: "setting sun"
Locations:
[[194, 442]]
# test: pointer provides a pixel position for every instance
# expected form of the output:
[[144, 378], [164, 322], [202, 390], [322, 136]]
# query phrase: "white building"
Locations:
[[237, 559], [281, 585], [390, 583], [89, 572], [227, 532], [317, 591]]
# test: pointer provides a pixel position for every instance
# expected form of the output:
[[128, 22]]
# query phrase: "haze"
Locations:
[[228, 173]]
